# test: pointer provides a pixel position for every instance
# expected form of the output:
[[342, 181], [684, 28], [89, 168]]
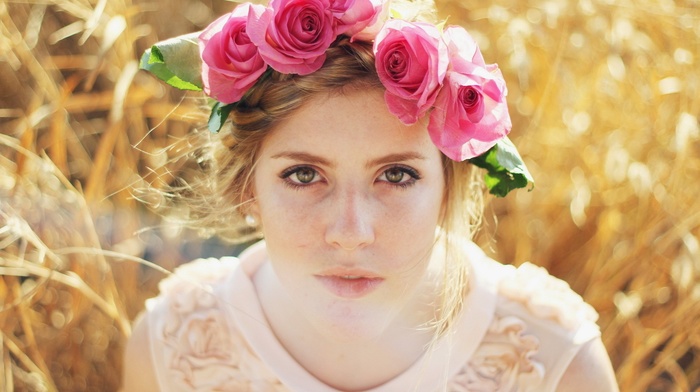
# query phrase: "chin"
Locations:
[[352, 320]]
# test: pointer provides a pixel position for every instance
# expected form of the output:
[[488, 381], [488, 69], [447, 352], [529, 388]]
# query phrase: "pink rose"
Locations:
[[339, 7], [411, 61], [231, 63], [293, 35], [471, 113], [362, 19]]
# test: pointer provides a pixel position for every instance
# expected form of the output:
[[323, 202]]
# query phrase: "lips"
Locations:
[[349, 284]]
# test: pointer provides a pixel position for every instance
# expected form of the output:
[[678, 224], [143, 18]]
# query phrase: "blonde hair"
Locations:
[[218, 201]]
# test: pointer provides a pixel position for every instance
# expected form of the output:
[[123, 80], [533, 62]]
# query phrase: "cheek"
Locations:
[[410, 224], [286, 220], [423, 205], [412, 217]]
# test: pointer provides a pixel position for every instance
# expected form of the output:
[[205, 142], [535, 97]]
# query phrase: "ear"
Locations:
[[252, 208], [251, 212], [249, 203]]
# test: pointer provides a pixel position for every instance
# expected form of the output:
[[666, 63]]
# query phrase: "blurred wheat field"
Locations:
[[604, 96]]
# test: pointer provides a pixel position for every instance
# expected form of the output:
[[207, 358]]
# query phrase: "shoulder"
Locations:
[[530, 291], [545, 297], [185, 339], [198, 274], [139, 374], [590, 370], [187, 290], [192, 288], [565, 326], [542, 331]]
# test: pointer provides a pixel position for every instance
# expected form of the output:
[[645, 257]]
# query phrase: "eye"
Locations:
[[300, 176], [304, 175], [394, 175], [399, 176]]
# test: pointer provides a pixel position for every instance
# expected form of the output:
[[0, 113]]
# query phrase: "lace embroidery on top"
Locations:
[[547, 297], [503, 362], [204, 353]]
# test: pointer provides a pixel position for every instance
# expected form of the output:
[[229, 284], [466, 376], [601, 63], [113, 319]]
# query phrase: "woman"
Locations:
[[355, 129]]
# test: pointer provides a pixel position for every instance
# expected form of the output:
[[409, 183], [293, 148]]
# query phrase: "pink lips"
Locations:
[[349, 284]]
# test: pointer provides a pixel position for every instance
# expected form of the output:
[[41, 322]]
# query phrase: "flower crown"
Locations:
[[425, 70]]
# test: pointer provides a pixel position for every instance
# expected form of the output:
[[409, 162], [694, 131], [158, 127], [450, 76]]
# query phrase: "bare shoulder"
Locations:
[[590, 370], [139, 374]]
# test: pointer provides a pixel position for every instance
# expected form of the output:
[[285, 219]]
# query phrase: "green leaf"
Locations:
[[218, 116], [505, 169], [176, 61]]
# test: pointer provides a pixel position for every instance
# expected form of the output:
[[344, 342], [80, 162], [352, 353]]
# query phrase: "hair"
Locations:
[[218, 201]]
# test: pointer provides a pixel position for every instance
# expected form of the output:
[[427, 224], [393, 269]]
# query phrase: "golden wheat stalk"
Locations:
[[605, 105]]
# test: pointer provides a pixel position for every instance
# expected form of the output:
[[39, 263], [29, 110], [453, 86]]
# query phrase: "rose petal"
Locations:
[[293, 35], [372, 27], [405, 109], [462, 45], [411, 61], [360, 15], [231, 63], [463, 130], [453, 129]]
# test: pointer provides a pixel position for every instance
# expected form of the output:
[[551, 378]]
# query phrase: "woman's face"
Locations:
[[349, 199]]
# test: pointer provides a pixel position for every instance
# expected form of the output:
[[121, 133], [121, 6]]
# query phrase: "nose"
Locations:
[[350, 224]]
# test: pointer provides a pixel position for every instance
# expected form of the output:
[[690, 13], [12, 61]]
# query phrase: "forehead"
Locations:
[[353, 122]]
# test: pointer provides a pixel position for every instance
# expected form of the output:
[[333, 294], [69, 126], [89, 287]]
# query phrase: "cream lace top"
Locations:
[[518, 331]]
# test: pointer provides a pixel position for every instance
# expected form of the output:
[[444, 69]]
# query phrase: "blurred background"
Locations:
[[605, 99]]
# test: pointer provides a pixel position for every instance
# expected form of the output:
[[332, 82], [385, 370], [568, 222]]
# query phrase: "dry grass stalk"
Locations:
[[56, 309], [604, 98], [606, 111]]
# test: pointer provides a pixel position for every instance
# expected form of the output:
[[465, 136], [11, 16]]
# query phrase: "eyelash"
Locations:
[[406, 170], [298, 185], [296, 169]]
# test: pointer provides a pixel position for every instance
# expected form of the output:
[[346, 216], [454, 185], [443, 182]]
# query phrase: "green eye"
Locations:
[[399, 176], [300, 176], [305, 175], [394, 175]]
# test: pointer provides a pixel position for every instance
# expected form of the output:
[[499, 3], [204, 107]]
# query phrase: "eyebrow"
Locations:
[[399, 157], [304, 157], [317, 160]]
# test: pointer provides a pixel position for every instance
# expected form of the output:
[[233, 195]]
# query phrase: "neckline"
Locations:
[[454, 348]]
